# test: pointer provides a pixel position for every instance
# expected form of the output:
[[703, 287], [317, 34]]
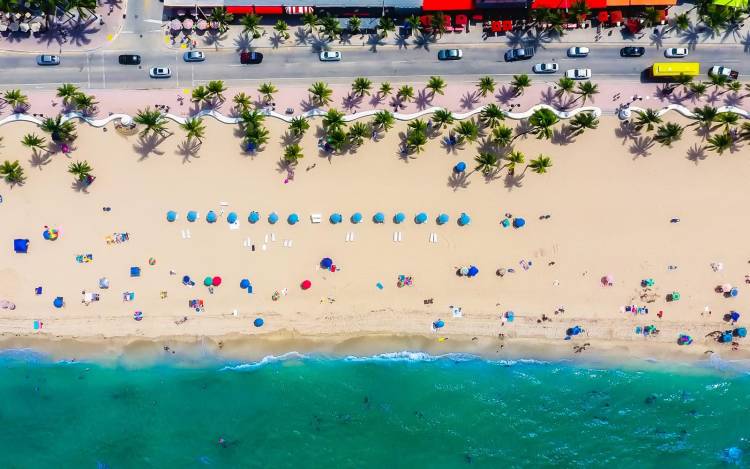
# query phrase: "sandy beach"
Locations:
[[610, 207]]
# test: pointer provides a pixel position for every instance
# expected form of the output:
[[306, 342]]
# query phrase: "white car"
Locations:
[[578, 51], [578, 73], [160, 72], [330, 56], [546, 68], [675, 52]]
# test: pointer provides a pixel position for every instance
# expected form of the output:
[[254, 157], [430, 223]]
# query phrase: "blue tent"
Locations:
[[473, 271], [211, 216], [192, 216], [399, 217], [58, 302], [420, 218], [254, 217], [438, 324], [292, 219], [258, 322], [171, 216], [740, 332], [21, 246], [335, 218], [442, 219], [273, 218], [379, 217], [244, 283], [326, 262], [518, 222], [356, 217], [232, 217], [464, 219], [460, 167]]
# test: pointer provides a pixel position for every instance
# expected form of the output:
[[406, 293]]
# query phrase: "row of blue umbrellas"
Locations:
[[335, 218]]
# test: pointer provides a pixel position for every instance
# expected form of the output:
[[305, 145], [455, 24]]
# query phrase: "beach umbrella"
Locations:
[[356, 217], [254, 217], [244, 283], [326, 263], [460, 167], [726, 337], [442, 219], [273, 218], [232, 218], [379, 217], [740, 332], [192, 216], [207, 281], [399, 218], [58, 302], [438, 324], [104, 283], [518, 222], [733, 292], [463, 271], [258, 322], [211, 216], [51, 234], [306, 284], [186, 280], [171, 216], [464, 219], [420, 218], [187, 23], [175, 25], [734, 315], [202, 24], [292, 219], [510, 316], [473, 271], [216, 281], [576, 330], [335, 218]]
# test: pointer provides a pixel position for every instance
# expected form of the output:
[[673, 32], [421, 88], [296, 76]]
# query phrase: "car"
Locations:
[[450, 54], [578, 73], [675, 52], [330, 56], [721, 71], [47, 59], [160, 72], [251, 58], [522, 53], [632, 51], [546, 68], [194, 56], [129, 59], [578, 51]]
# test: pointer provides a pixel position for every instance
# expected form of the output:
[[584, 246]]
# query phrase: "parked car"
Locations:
[[160, 72], [47, 60], [579, 73], [719, 70], [129, 59], [194, 56], [632, 51], [578, 51], [675, 52], [330, 56], [450, 54], [251, 58], [546, 68], [522, 53]]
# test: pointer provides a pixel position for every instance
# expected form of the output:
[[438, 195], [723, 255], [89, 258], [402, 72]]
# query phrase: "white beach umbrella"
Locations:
[[24, 27], [176, 25], [188, 23]]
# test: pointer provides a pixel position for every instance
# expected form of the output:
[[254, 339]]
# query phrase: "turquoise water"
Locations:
[[403, 410]]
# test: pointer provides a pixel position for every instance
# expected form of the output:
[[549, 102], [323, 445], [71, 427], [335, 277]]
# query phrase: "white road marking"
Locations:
[[148, 20], [88, 68], [104, 75]]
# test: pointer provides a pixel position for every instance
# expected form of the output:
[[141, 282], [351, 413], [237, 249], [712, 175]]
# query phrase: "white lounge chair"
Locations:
[[315, 217]]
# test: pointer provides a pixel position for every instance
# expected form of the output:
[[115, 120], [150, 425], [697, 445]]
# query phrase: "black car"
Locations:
[[129, 59], [524, 53], [632, 51], [251, 58]]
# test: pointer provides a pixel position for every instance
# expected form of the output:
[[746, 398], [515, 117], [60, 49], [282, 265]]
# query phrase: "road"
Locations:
[[100, 69]]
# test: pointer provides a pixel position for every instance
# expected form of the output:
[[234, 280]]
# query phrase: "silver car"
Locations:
[[160, 72], [47, 59], [546, 68], [578, 51], [675, 52], [578, 73], [330, 56], [194, 56]]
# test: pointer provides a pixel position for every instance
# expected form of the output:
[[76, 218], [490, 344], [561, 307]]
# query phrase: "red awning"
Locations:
[[551, 4], [477, 17], [447, 5], [633, 25], [596, 4], [269, 10], [497, 26], [425, 20], [507, 25], [603, 16], [461, 20], [246, 10], [447, 21], [616, 16], [298, 10]]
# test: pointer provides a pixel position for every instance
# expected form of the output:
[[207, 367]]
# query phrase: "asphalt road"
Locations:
[[101, 70]]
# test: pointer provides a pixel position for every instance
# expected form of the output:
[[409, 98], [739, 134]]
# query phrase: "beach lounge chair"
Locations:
[[128, 296], [21, 246], [316, 217]]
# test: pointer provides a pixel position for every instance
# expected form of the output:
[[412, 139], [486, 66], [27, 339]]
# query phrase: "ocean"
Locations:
[[401, 410]]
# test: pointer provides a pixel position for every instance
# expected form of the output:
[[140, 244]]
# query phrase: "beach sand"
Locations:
[[610, 213]]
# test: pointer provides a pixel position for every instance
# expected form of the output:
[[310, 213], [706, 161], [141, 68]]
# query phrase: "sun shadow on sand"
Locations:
[[513, 181], [458, 181], [80, 186], [40, 159], [147, 145], [641, 147], [188, 149], [696, 153]]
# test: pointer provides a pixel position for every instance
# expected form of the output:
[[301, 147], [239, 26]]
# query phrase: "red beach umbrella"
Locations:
[[306, 284], [216, 281]]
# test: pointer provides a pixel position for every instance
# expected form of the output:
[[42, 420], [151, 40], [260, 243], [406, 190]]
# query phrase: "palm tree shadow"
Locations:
[[562, 136], [450, 148], [513, 181], [626, 131], [523, 128], [696, 153], [374, 40], [80, 34], [352, 101], [401, 42], [458, 181], [734, 99], [505, 94], [214, 39], [39, 159], [423, 99], [146, 145], [641, 146], [746, 43], [690, 37], [492, 176], [376, 99], [713, 97], [188, 149], [345, 39], [80, 186], [242, 42], [469, 100], [657, 38], [550, 96], [301, 38], [733, 30], [703, 131], [423, 42], [282, 166], [288, 138], [318, 44]]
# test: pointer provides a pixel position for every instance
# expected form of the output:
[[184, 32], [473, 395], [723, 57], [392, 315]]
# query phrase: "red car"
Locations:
[[251, 58]]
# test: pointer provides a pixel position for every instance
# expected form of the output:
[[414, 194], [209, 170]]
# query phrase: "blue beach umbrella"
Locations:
[[727, 337], [244, 283], [442, 219], [258, 322], [356, 217], [438, 324], [254, 217], [464, 219], [518, 222], [740, 332], [399, 218], [379, 217], [733, 292], [58, 302], [420, 218], [460, 167], [335, 218], [326, 262], [292, 219], [473, 271], [211, 216], [273, 218], [734, 315], [232, 217], [171, 216], [192, 216]]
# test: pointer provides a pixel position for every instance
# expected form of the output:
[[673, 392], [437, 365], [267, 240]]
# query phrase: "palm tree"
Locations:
[[704, 116], [85, 102], [242, 102], [681, 22], [298, 126], [59, 130], [650, 17], [720, 142], [728, 119], [216, 89], [385, 89], [386, 25], [34, 141], [486, 85], [442, 117], [152, 121], [320, 93], [437, 24], [414, 23], [330, 27], [310, 20], [194, 128], [668, 133], [486, 162], [333, 120], [383, 120], [223, 17], [502, 135], [520, 83], [251, 24], [357, 133], [745, 131], [491, 115], [337, 139], [579, 11], [257, 136], [293, 153], [436, 85], [582, 121], [15, 99], [540, 164], [405, 93], [251, 119], [682, 80], [541, 122], [282, 29], [734, 86], [67, 91], [84, 8], [586, 90], [467, 130], [12, 172], [514, 159], [416, 141], [697, 89], [267, 90], [354, 25], [418, 125], [565, 86], [718, 81], [200, 95], [648, 118], [80, 169], [361, 86]]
